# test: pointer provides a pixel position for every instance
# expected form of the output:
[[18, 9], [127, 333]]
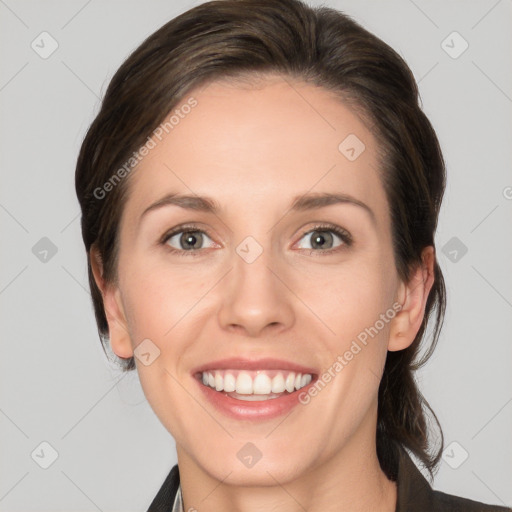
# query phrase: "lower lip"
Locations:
[[257, 410]]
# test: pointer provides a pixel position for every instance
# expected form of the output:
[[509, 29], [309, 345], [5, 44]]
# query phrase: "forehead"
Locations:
[[265, 142]]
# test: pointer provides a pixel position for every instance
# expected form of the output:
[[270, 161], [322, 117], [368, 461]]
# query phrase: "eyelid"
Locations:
[[183, 228]]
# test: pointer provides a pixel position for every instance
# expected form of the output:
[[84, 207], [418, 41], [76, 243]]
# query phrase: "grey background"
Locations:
[[56, 384]]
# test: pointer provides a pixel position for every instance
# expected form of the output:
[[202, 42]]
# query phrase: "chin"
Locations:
[[264, 472]]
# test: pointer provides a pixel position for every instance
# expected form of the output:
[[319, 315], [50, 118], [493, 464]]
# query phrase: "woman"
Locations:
[[260, 193]]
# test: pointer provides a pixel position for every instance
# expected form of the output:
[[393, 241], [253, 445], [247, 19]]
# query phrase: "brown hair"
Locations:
[[321, 46]]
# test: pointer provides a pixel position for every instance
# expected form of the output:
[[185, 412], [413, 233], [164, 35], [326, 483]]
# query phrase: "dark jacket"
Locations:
[[414, 493]]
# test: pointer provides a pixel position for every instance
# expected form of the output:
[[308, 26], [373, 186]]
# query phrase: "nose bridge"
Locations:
[[254, 298]]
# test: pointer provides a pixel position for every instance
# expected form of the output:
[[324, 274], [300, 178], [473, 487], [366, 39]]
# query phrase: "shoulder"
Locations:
[[443, 501], [414, 493]]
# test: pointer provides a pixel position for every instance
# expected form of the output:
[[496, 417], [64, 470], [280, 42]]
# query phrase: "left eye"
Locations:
[[188, 240], [322, 239]]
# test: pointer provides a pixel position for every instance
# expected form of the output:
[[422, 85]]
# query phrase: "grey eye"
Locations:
[[321, 239], [188, 240]]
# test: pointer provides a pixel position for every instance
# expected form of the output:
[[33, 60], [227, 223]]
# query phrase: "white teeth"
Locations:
[[255, 383], [244, 384], [253, 398], [262, 385], [229, 382], [219, 386], [306, 379], [278, 384], [290, 382]]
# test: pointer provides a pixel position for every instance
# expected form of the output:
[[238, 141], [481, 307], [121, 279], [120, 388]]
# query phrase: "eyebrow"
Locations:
[[305, 202]]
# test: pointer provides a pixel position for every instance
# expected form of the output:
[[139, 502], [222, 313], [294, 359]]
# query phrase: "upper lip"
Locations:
[[267, 363]]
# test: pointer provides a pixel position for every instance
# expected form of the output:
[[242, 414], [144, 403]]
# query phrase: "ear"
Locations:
[[113, 307], [413, 298]]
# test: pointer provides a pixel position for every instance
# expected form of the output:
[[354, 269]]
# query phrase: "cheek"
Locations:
[[355, 302], [158, 297], [351, 297], [159, 306], [357, 305]]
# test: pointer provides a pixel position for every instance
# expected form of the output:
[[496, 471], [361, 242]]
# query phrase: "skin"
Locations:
[[253, 150]]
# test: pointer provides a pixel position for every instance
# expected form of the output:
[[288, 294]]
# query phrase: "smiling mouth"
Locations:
[[255, 385]]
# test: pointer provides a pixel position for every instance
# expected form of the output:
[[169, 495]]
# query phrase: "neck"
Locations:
[[351, 480]]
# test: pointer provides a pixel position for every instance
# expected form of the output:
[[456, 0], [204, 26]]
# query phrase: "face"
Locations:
[[271, 273]]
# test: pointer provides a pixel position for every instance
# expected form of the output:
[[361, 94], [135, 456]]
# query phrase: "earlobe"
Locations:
[[114, 311], [412, 297]]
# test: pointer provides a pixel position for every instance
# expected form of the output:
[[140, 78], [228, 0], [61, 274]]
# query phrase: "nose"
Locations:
[[256, 298]]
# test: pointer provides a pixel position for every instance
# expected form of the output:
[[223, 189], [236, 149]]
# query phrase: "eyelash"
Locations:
[[345, 237]]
